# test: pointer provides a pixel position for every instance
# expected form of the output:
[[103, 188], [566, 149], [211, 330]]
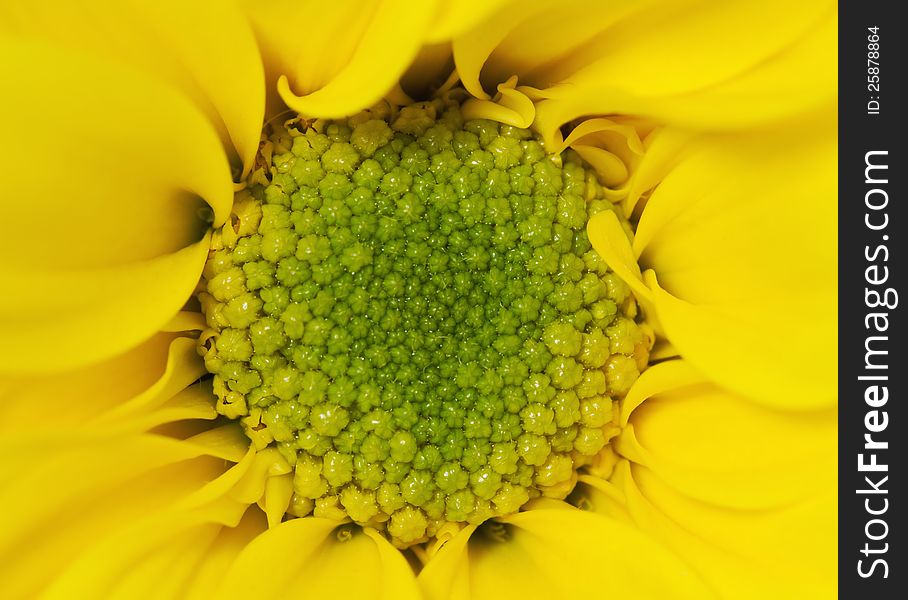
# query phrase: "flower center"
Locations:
[[408, 308]]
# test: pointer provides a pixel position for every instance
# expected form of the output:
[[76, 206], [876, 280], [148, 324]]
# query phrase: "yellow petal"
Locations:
[[447, 576], [723, 449], [610, 240], [152, 558], [510, 106], [789, 551], [158, 555], [186, 321], [432, 70], [455, 18], [350, 60], [660, 61], [611, 147], [742, 252], [119, 174], [554, 553], [214, 492], [313, 558], [278, 493], [222, 553], [63, 319], [192, 403], [204, 49], [473, 47], [268, 465], [62, 493], [663, 149], [600, 496], [74, 397], [226, 441], [184, 366], [121, 242], [166, 550], [39, 468], [746, 495], [664, 377]]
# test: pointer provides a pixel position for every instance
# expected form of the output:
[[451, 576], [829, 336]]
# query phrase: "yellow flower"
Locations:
[[127, 128]]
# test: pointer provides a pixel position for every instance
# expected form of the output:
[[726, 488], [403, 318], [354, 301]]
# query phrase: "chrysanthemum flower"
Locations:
[[414, 299]]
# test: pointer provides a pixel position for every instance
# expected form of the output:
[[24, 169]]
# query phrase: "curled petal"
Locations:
[[510, 106], [659, 61], [348, 61], [611, 242]]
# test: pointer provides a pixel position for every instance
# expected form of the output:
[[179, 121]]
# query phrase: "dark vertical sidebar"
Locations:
[[872, 267]]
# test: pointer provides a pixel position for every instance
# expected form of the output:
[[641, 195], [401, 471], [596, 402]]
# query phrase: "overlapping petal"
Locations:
[[738, 241], [184, 546], [358, 51], [201, 49], [789, 551], [744, 493], [722, 449], [167, 556], [704, 64], [107, 177], [315, 558], [140, 493], [81, 501], [126, 389], [556, 552]]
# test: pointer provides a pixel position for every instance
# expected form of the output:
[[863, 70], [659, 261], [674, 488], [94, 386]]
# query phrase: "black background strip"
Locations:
[[860, 133]]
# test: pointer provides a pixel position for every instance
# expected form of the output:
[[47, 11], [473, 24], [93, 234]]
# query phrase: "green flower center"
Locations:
[[408, 308]]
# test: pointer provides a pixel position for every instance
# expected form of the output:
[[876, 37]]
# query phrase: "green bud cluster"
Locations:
[[410, 310]]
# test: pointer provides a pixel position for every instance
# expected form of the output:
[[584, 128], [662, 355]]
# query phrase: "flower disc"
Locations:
[[408, 307]]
